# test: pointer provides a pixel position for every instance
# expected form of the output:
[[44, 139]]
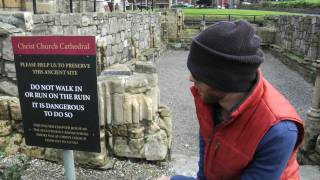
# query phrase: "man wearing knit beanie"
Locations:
[[248, 130]]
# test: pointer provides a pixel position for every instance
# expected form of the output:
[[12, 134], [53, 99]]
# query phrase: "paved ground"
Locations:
[[174, 86]]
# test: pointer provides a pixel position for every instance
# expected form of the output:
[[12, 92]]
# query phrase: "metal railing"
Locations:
[[197, 18]]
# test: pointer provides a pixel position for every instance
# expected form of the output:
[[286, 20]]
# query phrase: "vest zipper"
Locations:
[[218, 144]]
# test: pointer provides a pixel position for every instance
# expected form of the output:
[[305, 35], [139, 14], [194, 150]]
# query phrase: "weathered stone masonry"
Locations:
[[132, 121], [120, 37], [296, 40]]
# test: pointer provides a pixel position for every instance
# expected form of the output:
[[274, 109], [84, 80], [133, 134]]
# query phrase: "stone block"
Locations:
[[145, 67], [90, 30], [154, 94], [9, 68], [312, 52], [109, 39], [5, 127], [122, 148], [40, 29], [136, 146], [32, 151], [108, 105], [85, 21], [120, 48], [127, 109], [13, 146], [75, 19], [114, 49], [125, 43], [156, 147], [152, 79], [4, 109], [93, 159], [135, 110], [56, 30], [136, 84], [166, 124], [164, 111], [52, 154], [101, 104], [122, 36], [136, 132], [7, 52], [4, 142], [15, 110], [120, 130], [126, 53], [145, 105], [113, 26], [57, 19], [152, 127], [115, 84], [318, 145], [70, 30], [118, 38], [38, 19], [9, 88], [17, 126], [65, 19], [117, 109], [108, 51]]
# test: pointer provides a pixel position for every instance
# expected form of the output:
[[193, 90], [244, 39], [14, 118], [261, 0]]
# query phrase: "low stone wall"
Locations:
[[172, 25], [120, 37], [295, 40], [132, 121]]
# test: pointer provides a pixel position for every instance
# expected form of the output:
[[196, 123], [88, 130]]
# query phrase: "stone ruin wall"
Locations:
[[120, 37], [299, 34], [296, 40], [132, 122]]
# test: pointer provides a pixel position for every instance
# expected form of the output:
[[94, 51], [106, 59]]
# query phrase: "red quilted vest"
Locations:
[[231, 146]]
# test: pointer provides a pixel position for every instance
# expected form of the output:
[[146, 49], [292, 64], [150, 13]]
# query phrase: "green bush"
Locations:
[[15, 171], [285, 4]]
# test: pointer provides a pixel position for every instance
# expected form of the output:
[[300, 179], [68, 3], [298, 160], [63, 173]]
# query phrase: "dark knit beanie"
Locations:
[[226, 55]]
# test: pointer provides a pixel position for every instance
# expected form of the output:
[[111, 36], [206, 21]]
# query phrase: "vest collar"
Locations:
[[252, 98]]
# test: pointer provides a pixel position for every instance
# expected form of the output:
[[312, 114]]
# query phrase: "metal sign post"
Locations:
[[68, 162]]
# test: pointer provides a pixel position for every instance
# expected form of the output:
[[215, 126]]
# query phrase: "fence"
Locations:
[[192, 19]]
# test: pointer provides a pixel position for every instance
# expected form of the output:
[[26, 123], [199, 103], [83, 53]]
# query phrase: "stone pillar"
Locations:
[[311, 140]]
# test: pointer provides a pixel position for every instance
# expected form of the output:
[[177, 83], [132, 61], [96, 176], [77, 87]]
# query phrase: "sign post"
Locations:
[[57, 86], [68, 162]]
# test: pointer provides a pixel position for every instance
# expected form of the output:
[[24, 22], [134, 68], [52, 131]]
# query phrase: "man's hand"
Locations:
[[164, 178]]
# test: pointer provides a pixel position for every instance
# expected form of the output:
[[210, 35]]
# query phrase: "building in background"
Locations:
[[63, 6], [226, 3]]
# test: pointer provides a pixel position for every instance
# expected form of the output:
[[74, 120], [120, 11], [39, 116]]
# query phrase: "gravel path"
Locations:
[[174, 86]]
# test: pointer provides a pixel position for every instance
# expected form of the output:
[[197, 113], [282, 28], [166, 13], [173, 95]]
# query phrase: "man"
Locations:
[[248, 130]]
